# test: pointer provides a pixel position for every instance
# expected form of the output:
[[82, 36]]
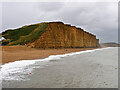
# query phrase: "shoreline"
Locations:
[[17, 53], [95, 68]]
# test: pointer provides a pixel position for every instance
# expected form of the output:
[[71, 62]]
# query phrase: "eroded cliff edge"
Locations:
[[50, 35], [60, 35]]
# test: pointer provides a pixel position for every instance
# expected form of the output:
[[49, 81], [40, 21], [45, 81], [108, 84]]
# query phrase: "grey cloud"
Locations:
[[97, 18], [49, 7]]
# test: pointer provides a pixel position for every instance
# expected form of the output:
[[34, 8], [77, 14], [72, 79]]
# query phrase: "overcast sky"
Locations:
[[98, 18]]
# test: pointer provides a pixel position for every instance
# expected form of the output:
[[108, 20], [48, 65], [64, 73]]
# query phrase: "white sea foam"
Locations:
[[18, 69]]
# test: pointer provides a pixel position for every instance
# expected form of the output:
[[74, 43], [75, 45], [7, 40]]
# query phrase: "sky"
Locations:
[[98, 18]]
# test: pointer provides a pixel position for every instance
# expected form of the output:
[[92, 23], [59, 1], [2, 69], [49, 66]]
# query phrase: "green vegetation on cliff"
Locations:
[[57, 35], [24, 34]]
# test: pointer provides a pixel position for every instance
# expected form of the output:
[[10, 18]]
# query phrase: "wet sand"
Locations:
[[98, 69], [16, 53]]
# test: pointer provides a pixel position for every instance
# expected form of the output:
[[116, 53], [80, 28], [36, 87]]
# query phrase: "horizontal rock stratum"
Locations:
[[50, 35]]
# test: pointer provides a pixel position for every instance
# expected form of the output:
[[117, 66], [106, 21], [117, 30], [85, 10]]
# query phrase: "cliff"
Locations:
[[53, 35]]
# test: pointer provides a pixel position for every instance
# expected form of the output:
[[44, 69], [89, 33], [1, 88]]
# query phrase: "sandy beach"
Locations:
[[16, 53], [91, 69]]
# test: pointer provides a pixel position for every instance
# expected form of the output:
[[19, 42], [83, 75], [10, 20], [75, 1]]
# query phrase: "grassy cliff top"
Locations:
[[23, 35]]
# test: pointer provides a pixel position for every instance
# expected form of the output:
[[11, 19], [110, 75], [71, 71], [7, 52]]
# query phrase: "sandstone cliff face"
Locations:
[[59, 35]]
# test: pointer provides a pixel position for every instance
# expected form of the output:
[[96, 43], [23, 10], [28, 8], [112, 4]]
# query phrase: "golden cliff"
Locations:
[[60, 35]]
